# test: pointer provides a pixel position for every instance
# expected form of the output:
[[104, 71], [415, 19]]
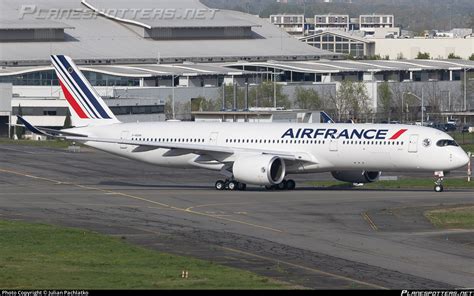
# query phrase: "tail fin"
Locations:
[[87, 107]]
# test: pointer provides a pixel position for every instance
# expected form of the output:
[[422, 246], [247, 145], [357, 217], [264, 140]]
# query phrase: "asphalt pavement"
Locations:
[[314, 238]]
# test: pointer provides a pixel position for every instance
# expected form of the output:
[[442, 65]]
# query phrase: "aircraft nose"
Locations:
[[462, 158]]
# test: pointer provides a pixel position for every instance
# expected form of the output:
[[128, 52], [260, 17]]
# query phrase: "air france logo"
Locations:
[[323, 133]]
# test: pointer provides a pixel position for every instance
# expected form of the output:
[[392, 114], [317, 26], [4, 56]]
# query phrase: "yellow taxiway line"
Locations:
[[117, 193]]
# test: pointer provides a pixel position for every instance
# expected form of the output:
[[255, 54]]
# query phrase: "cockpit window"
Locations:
[[444, 143]]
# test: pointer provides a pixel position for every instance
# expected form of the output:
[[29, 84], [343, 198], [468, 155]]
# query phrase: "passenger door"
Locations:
[[334, 145], [413, 145], [124, 136], [213, 138]]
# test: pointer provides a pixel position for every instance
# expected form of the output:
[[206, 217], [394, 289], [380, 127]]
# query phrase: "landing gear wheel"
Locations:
[[232, 185], [282, 185], [290, 185], [439, 188], [269, 187], [220, 185], [439, 181], [241, 186]]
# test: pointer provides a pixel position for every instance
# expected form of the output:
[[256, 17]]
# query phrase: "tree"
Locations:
[[377, 57], [350, 56], [264, 93], [360, 103], [471, 21], [307, 98], [67, 121], [182, 110], [471, 57], [385, 99], [340, 101], [413, 15], [351, 101], [19, 131], [169, 108], [452, 56], [200, 104], [423, 56], [229, 96]]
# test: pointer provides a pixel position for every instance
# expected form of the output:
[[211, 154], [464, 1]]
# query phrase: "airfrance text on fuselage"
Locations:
[[323, 133]]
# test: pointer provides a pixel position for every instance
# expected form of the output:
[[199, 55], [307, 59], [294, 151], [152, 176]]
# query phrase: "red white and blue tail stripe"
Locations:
[[84, 101]]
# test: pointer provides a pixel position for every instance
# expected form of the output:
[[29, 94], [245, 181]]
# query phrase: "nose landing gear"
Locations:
[[439, 181]]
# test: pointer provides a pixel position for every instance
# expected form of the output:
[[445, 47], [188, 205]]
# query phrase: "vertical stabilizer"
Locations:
[[86, 105]]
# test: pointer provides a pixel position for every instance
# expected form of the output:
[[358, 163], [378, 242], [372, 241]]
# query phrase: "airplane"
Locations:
[[261, 154]]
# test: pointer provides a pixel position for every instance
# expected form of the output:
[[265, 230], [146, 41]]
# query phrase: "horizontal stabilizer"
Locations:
[[32, 128], [47, 131]]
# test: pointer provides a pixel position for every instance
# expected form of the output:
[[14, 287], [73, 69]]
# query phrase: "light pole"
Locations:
[[401, 117], [274, 90], [422, 99], [172, 96], [465, 88]]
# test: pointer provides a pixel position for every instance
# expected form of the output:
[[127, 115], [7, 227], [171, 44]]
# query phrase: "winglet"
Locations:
[[32, 128]]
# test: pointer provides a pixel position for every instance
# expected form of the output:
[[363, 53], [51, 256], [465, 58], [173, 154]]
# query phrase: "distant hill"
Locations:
[[415, 15]]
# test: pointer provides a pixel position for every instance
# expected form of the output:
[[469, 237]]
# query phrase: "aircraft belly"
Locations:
[[379, 160], [362, 158], [163, 157]]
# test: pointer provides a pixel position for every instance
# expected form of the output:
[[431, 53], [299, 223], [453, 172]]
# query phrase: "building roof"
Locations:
[[32, 24], [360, 65], [340, 34], [243, 68], [184, 10], [100, 38], [140, 70], [229, 69]]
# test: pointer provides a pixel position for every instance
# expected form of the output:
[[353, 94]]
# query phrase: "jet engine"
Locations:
[[356, 176], [259, 170]]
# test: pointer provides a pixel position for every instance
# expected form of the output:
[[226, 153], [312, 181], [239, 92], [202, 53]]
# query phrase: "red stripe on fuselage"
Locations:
[[73, 102], [398, 134]]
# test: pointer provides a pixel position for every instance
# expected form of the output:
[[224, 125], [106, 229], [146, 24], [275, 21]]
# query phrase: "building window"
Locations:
[[49, 113]]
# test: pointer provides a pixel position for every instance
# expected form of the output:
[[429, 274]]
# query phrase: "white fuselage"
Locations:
[[371, 147]]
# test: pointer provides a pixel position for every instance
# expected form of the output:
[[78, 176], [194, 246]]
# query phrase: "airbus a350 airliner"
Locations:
[[256, 154]]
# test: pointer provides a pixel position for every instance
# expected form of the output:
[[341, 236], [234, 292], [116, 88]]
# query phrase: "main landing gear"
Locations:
[[231, 185], [439, 182], [285, 185]]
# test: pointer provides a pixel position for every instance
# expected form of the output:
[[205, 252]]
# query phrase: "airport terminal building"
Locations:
[[141, 57]]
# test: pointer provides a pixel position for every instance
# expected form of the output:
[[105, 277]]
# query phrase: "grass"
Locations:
[[458, 218], [463, 138], [412, 183], [49, 143], [37, 256], [468, 147]]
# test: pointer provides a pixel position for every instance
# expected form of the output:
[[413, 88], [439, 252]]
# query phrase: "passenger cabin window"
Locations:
[[444, 143]]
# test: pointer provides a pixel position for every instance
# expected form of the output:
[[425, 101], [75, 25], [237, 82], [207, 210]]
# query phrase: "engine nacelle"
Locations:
[[356, 176], [259, 170]]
